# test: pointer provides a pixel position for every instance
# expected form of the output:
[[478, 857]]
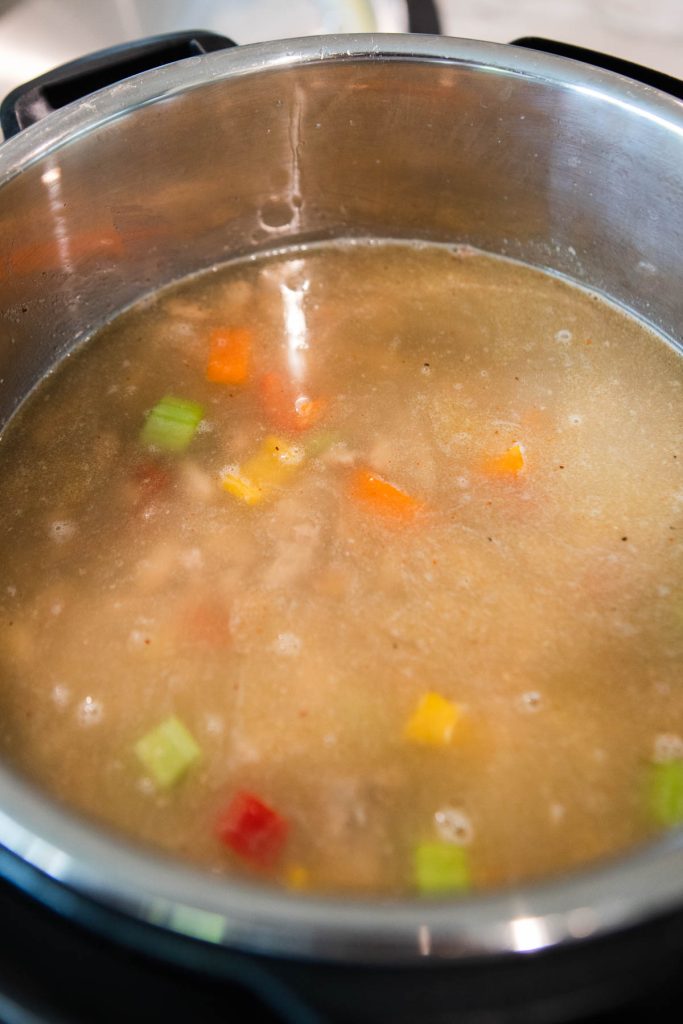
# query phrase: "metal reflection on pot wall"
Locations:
[[528, 934], [370, 147], [60, 234], [636, 257]]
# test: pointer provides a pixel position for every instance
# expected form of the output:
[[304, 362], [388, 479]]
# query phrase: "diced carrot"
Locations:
[[287, 407], [229, 355], [207, 623], [510, 463], [382, 497]]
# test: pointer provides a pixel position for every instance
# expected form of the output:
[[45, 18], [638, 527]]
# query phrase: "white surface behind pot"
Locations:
[[36, 35]]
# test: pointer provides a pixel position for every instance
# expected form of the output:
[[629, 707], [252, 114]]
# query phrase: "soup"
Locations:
[[354, 568]]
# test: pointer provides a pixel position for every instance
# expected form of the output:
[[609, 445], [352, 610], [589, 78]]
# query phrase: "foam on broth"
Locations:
[[294, 638]]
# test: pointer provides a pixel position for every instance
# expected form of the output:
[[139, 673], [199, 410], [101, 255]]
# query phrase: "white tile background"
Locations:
[[648, 32], [36, 35]]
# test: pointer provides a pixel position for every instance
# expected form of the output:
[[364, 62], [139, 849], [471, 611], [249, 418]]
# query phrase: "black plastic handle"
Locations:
[[36, 99], [657, 79], [423, 16]]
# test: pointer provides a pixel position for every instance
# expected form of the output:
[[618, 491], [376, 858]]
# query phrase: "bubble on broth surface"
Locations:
[[287, 643], [276, 213], [563, 336], [62, 530], [61, 695], [668, 746], [192, 558], [530, 701], [454, 826], [214, 724], [89, 711], [137, 640], [557, 813]]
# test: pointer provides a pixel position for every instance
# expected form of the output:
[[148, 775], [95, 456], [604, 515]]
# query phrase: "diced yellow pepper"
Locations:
[[245, 490], [270, 468], [296, 876], [433, 721]]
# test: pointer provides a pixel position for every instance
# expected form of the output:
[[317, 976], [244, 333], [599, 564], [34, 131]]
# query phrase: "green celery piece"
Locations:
[[172, 423], [201, 924], [441, 868], [666, 792], [320, 442], [167, 751]]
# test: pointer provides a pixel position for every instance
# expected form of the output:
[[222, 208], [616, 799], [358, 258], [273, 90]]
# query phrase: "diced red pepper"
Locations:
[[253, 830], [148, 481], [207, 623]]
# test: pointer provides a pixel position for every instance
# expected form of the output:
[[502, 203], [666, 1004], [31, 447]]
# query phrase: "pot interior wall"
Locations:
[[561, 176]]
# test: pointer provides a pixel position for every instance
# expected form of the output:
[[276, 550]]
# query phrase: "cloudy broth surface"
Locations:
[[354, 568]]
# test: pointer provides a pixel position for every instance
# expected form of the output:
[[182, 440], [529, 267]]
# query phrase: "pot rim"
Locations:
[[91, 112], [84, 857]]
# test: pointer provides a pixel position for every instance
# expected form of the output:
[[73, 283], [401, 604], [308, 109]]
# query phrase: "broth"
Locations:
[[393, 607]]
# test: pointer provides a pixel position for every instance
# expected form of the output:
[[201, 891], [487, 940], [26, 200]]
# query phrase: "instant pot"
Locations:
[[152, 175]]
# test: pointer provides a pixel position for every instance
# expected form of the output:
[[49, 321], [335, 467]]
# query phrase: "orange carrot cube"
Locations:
[[509, 464], [286, 407], [383, 498], [230, 348]]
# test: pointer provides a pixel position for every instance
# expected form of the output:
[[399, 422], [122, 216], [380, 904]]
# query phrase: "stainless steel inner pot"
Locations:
[[535, 157]]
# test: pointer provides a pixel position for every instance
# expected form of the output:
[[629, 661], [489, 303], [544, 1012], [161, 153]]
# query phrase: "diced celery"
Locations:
[[167, 751], [172, 424], [441, 868], [666, 792], [201, 924], [320, 442]]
